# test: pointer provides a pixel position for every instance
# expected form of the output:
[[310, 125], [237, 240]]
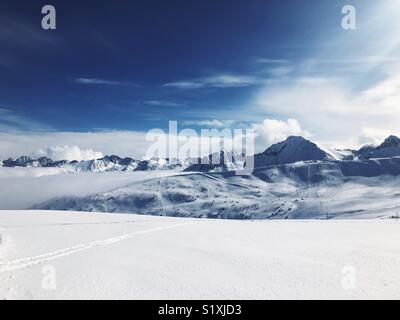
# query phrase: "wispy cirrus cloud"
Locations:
[[161, 103], [215, 81], [10, 121], [17, 32], [272, 61], [214, 123], [97, 81]]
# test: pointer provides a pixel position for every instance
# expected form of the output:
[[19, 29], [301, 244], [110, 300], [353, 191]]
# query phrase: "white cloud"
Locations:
[[11, 121], [385, 95], [216, 81], [373, 136], [69, 153], [302, 96], [271, 131]]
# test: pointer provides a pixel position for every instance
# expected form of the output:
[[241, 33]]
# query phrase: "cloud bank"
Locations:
[[84, 144], [91, 145]]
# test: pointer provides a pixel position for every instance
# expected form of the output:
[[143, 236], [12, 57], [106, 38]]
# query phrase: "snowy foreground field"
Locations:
[[76, 255]]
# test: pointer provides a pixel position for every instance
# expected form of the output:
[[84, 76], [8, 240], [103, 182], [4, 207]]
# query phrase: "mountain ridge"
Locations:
[[291, 150]]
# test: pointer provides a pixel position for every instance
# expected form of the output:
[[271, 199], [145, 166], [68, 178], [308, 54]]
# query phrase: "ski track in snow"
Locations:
[[160, 196], [65, 224], [166, 204], [26, 262]]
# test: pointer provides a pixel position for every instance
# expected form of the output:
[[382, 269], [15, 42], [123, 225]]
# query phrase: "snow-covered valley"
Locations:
[[273, 193]]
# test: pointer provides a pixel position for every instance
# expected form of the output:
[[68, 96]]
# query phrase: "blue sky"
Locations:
[[130, 66]]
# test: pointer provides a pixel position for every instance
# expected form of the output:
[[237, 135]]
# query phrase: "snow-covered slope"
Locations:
[[338, 154], [22, 188], [75, 255], [348, 189]]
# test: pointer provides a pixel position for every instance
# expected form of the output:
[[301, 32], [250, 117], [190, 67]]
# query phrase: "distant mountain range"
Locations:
[[107, 163], [293, 149], [292, 179]]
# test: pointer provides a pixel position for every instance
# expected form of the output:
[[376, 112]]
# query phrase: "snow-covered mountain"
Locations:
[[163, 164], [387, 149], [293, 149], [108, 163], [25, 161]]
